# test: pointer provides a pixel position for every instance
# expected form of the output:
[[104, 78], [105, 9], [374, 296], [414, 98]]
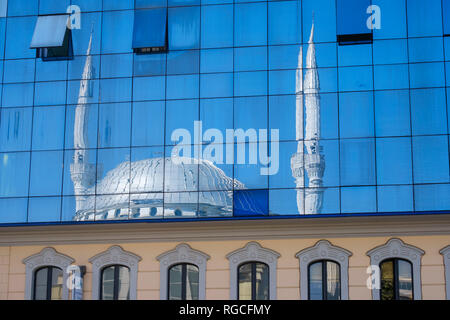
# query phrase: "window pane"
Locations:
[[405, 285], [333, 281], [40, 284], [428, 13], [49, 31], [175, 286], [124, 283], [192, 280], [15, 129], [184, 28], [150, 28], [108, 283], [315, 281], [251, 203], [262, 282], [446, 14], [250, 24], [57, 284], [217, 26], [245, 282], [352, 17], [387, 280]]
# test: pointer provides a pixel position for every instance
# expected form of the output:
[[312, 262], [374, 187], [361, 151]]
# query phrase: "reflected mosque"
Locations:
[[144, 178]]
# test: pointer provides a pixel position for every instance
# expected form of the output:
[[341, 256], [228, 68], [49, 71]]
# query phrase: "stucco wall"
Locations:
[[12, 270]]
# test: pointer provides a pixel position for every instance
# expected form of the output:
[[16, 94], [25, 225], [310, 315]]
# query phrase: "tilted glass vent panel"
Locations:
[[150, 31], [353, 21], [50, 31]]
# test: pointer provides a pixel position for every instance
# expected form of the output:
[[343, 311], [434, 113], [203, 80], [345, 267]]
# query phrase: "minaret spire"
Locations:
[[82, 172]]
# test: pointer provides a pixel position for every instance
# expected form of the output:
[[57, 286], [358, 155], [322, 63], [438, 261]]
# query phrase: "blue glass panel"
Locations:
[[149, 64], [50, 93], [216, 85], [113, 173], [118, 4], [394, 161], [355, 55], [115, 90], [14, 174], [283, 202], [355, 78], [49, 31], [357, 162], [284, 22], [247, 168], [22, 7], [330, 152], [425, 75], [90, 23], [147, 170], [2, 37], [217, 114], [356, 105], [324, 12], [146, 206], [216, 60], [148, 123], [117, 31], [250, 59], [181, 115], [183, 62], [18, 95], [391, 77], [352, 16], [54, 71], [183, 87], [251, 203], [172, 208], [149, 88], [48, 128], [432, 197], [76, 67], [181, 176], [390, 51], [13, 210], [430, 17], [217, 26], [90, 157], [328, 79], [150, 28], [280, 82], [88, 5], [114, 125], [15, 129], [283, 178], [430, 159], [73, 92], [250, 23], [116, 65], [428, 111], [250, 83], [281, 111], [19, 71], [250, 113], [174, 3], [434, 50], [53, 6], [184, 28], [46, 173], [358, 200], [446, 16], [393, 19], [284, 57], [392, 116], [395, 199], [44, 209], [143, 4], [19, 32]]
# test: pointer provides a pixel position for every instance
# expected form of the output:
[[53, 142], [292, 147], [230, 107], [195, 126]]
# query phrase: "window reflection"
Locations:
[[115, 283], [253, 281], [396, 280], [183, 282], [48, 284]]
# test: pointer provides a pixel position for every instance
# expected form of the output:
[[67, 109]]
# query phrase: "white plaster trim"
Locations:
[[323, 250], [48, 257], [396, 248], [446, 255], [253, 252], [183, 253], [114, 256]]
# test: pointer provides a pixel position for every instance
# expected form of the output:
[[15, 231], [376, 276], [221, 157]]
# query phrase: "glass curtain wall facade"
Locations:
[[127, 114]]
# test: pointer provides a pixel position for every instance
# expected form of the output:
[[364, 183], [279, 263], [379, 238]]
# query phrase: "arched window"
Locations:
[[396, 280], [48, 284], [324, 280], [253, 281], [115, 284], [183, 282]]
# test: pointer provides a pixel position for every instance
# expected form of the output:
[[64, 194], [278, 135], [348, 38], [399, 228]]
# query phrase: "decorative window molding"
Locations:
[[183, 253], [446, 255], [114, 256], [48, 257], [323, 250], [253, 252], [396, 248]]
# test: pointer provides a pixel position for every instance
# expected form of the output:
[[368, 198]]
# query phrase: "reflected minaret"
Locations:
[[82, 172], [309, 157]]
